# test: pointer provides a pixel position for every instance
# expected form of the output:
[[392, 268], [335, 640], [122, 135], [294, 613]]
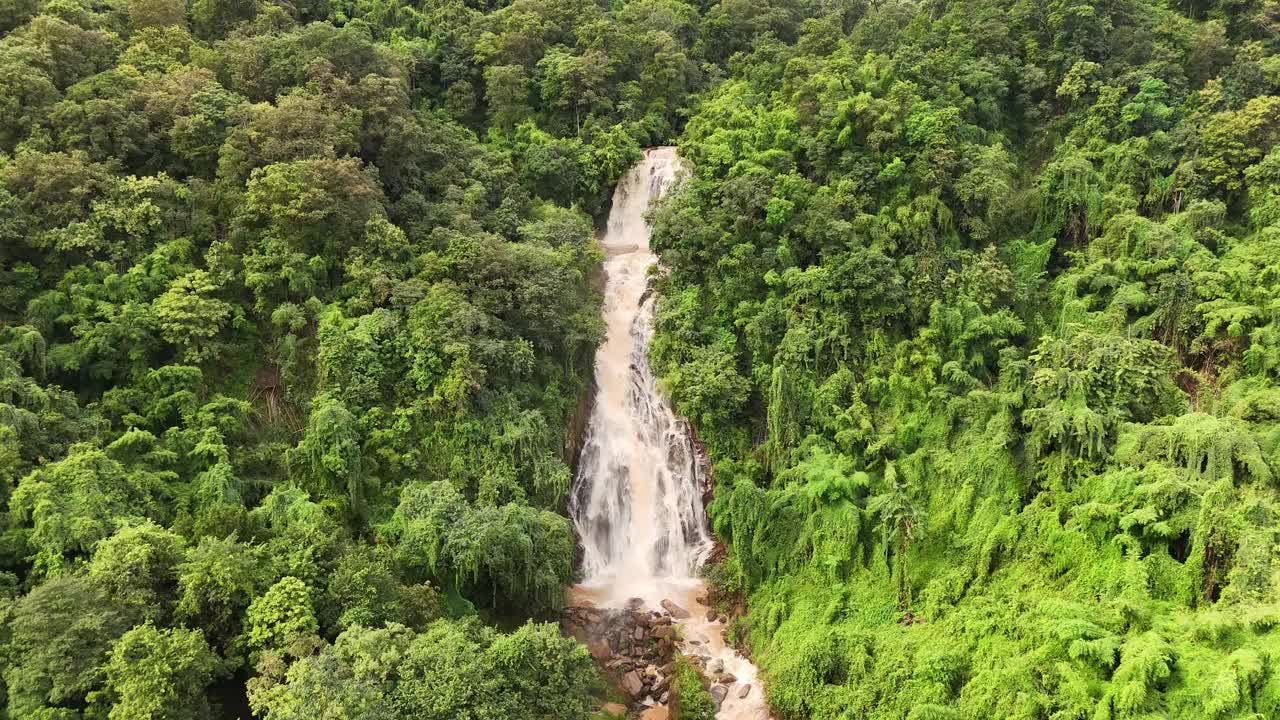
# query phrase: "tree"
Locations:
[[507, 95], [156, 13], [75, 502], [138, 566], [283, 611], [575, 81], [897, 516], [365, 591], [156, 674], [190, 316], [329, 455], [59, 638], [216, 584], [452, 669], [212, 19]]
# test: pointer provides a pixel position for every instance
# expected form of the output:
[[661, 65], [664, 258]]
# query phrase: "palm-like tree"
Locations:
[[897, 517]]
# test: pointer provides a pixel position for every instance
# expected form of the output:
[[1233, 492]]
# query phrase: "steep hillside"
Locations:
[[975, 305]]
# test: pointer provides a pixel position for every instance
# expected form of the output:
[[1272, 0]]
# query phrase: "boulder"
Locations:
[[676, 611], [600, 650], [744, 691], [716, 666], [632, 684], [570, 628], [727, 678], [719, 693]]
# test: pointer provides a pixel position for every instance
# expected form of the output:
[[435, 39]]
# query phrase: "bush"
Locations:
[[690, 699]]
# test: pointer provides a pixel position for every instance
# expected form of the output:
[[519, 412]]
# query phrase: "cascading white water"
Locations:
[[637, 502], [637, 496]]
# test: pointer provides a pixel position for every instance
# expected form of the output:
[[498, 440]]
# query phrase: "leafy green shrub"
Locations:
[[690, 699]]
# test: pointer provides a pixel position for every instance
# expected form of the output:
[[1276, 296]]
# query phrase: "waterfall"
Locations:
[[637, 497], [637, 500]]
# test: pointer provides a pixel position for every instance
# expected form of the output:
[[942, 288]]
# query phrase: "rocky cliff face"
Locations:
[[575, 433]]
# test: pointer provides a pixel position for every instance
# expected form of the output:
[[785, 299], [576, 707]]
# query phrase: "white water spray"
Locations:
[[637, 502], [637, 497]]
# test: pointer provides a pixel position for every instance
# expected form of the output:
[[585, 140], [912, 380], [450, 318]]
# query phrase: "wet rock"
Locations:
[[712, 616], [668, 669], [635, 603], [570, 628], [716, 666], [600, 650], [666, 696], [664, 631], [676, 611], [727, 678], [719, 693], [744, 691], [614, 709], [622, 641], [632, 684]]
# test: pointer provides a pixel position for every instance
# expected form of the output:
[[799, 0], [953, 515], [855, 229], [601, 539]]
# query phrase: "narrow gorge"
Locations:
[[637, 500]]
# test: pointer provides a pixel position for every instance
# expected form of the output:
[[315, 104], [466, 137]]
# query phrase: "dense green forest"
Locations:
[[295, 303], [976, 306]]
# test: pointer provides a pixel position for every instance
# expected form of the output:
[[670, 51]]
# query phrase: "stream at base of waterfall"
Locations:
[[637, 497]]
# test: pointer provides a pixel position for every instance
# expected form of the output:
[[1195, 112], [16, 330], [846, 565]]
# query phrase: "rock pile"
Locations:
[[635, 646]]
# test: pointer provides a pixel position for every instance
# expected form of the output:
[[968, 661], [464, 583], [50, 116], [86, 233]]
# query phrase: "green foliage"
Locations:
[[139, 565], [523, 557], [690, 698], [283, 611], [216, 584], [266, 272], [73, 503], [450, 670], [59, 636], [972, 305], [158, 675]]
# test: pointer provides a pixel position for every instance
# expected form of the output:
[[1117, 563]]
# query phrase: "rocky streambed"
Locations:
[[636, 645]]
